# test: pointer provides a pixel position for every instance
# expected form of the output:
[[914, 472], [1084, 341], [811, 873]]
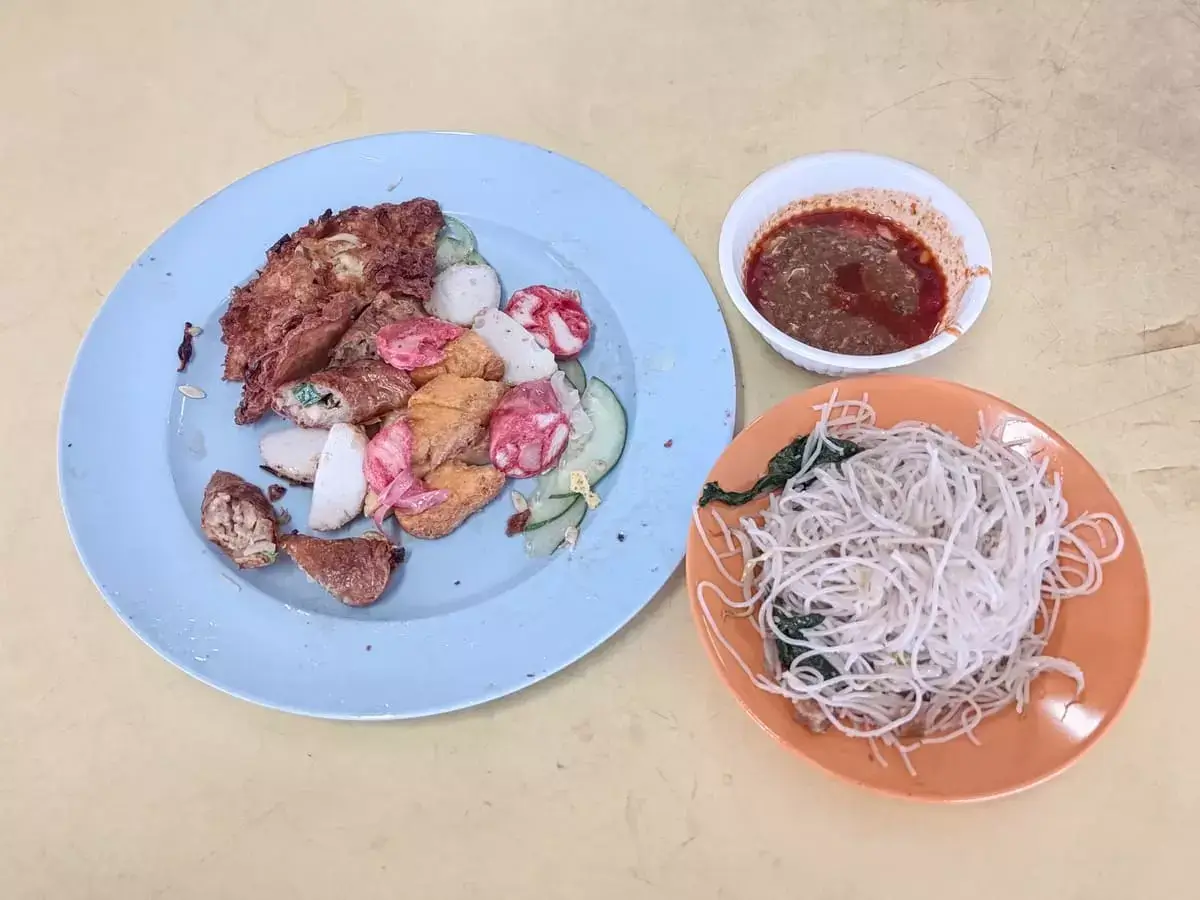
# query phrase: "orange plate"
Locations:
[[1105, 633]]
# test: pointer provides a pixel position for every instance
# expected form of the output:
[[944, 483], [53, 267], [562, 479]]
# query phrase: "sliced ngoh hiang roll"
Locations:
[[353, 395], [237, 516], [354, 570]]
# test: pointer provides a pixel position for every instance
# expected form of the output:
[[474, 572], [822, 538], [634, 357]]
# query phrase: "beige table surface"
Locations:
[[1071, 126]]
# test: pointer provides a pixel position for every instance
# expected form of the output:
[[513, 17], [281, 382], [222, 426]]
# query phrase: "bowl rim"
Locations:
[[1133, 547], [851, 364]]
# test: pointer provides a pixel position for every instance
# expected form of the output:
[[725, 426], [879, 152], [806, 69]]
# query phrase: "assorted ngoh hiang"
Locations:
[[477, 338], [378, 334], [905, 584]]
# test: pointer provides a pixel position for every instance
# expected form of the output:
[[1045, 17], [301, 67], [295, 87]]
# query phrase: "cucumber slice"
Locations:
[[552, 497], [455, 243], [576, 377], [544, 541], [475, 258]]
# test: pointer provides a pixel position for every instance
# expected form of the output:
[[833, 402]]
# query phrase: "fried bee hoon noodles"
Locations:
[[908, 592]]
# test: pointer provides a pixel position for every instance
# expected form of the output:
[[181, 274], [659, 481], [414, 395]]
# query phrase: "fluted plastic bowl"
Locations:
[[832, 173]]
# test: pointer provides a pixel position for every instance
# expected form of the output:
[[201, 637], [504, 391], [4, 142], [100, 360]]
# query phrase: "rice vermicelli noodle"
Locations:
[[908, 592]]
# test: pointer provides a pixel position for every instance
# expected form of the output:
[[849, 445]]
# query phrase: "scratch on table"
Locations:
[[991, 135], [975, 84], [1190, 13], [633, 811], [1174, 336], [1171, 487], [912, 96], [1079, 172], [1078, 25], [683, 188], [636, 873], [1127, 406]]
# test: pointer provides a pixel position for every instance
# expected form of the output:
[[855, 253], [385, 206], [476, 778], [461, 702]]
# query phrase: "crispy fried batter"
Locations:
[[479, 453], [448, 416], [286, 321], [355, 570], [471, 488], [468, 356]]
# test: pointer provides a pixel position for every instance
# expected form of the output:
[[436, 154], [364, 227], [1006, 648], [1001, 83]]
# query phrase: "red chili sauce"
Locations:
[[846, 281]]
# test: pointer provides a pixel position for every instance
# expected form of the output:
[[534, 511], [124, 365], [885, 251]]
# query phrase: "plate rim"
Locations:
[[852, 383]]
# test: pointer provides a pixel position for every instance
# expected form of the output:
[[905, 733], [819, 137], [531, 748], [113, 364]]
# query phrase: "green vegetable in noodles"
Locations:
[[794, 627], [783, 466]]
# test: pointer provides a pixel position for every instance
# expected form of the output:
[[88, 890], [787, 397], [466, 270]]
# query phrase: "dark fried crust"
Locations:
[[448, 417], [231, 508], [365, 391], [359, 342], [467, 356], [471, 488], [354, 570], [315, 282]]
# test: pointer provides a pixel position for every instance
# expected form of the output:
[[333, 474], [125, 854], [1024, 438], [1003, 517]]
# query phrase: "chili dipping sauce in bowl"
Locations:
[[850, 262]]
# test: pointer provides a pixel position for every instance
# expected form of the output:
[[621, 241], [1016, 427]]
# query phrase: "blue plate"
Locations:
[[468, 618]]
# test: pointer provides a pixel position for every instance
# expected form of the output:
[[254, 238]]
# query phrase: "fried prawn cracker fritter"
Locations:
[[285, 323], [467, 356], [471, 488], [448, 416]]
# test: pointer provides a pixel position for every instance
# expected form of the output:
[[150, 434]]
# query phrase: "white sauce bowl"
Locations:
[[833, 173]]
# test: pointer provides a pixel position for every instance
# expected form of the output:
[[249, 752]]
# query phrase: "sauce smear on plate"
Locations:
[[847, 281]]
